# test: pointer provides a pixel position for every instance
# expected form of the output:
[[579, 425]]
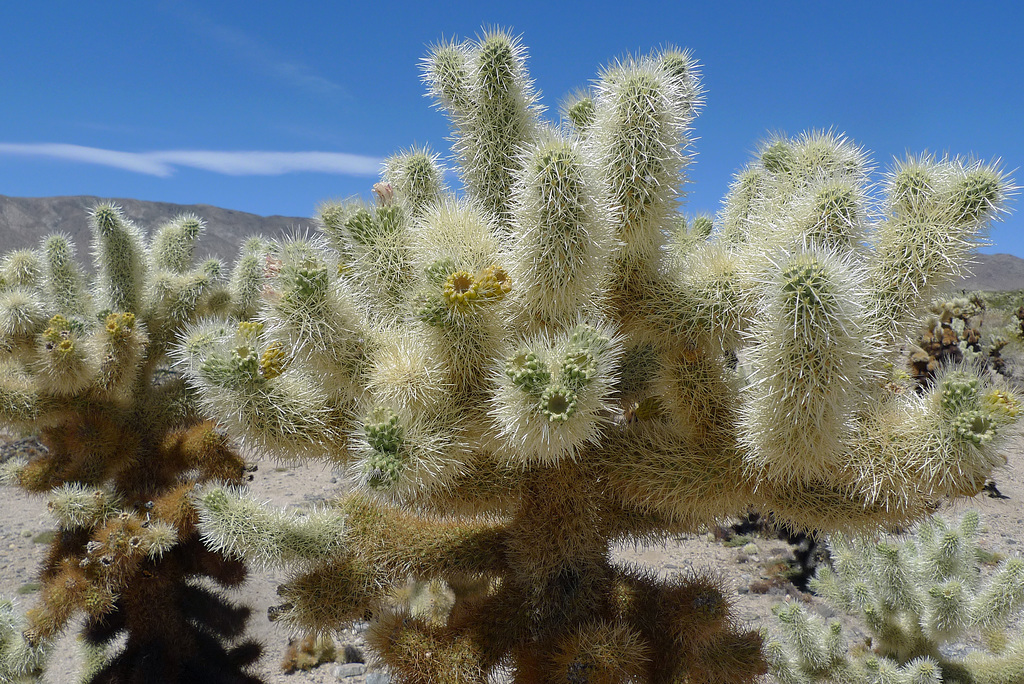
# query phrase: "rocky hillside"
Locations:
[[996, 272], [25, 220]]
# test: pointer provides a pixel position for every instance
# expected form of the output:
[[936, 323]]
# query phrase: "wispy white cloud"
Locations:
[[256, 53], [241, 163], [129, 161]]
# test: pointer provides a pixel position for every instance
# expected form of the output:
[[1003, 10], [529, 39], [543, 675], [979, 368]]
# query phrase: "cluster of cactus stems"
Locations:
[[915, 595], [83, 364], [951, 333], [517, 379]]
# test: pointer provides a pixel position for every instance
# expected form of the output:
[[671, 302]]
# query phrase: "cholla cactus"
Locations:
[[951, 333], [517, 379], [20, 661], [85, 368], [914, 595]]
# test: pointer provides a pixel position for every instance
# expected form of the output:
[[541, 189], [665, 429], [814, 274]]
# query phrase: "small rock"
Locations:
[[349, 670], [378, 678]]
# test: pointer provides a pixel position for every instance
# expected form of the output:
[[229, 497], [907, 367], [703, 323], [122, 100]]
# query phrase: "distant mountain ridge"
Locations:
[[24, 221], [995, 272]]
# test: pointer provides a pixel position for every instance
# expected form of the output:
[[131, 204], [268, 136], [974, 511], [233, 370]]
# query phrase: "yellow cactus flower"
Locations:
[[461, 289], [273, 361]]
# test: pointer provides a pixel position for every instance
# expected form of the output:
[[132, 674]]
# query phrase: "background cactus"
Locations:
[[516, 379], [915, 595], [952, 333], [84, 366]]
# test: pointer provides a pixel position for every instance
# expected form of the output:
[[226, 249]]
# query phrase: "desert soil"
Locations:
[[24, 518]]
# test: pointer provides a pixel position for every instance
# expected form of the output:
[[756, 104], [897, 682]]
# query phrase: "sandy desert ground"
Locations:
[[23, 519]]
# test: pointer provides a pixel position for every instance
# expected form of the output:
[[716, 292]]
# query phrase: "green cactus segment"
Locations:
[[814, 337], [417, 178], [835, 215], [527, 372], [360, 226], [642, 147], [581, 113], [431, 308], [174, 244], [1002, 598], [702, 226], [484, 87], [447, 76], [975, 426], [20, 659], [779, 157], [680, 64], [385, 435], [558, 403], [247, 281], [977, 194], [959, 392], [78, 507], [911, 187], [21, 315], [384, 432], [561, 236], [64, 280], [578, 369], [270, 539], [939, 212], [808, 292], [22, 268], [120, 259], [437, 272]]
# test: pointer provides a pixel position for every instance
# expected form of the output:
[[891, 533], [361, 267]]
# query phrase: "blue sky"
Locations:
[[272, 107]]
